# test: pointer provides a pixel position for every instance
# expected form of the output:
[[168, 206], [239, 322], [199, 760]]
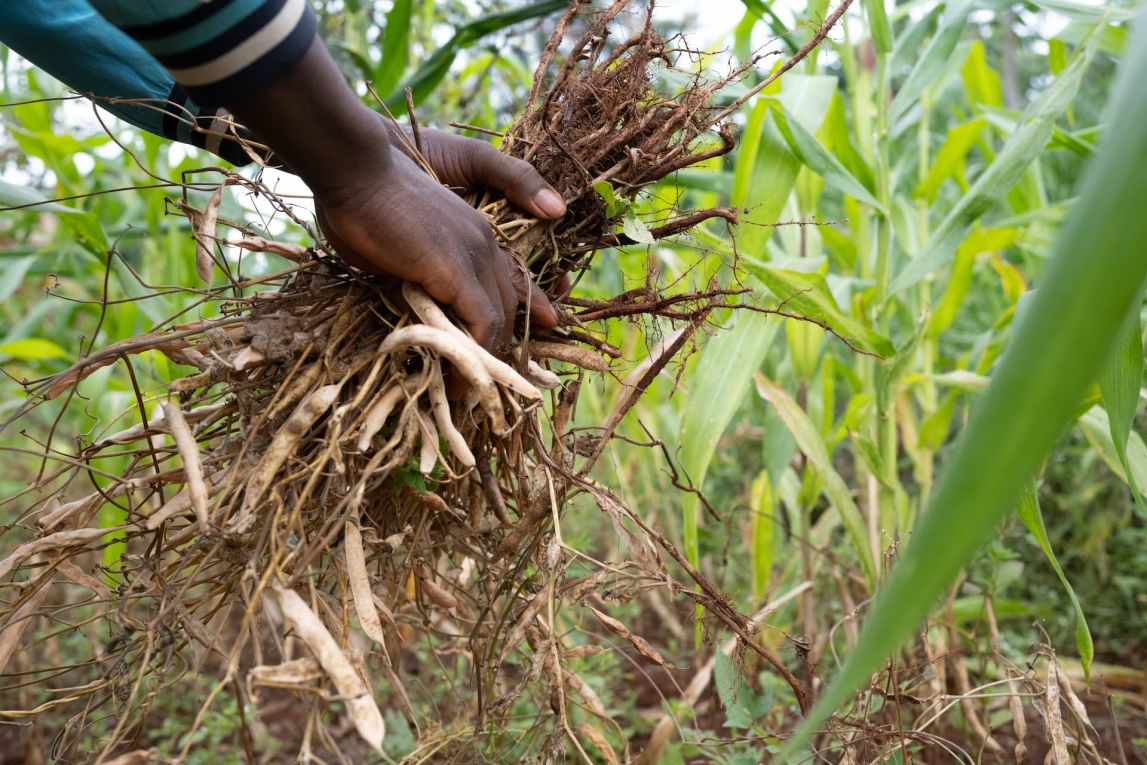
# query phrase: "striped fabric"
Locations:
[[218, 50], [79, 47]]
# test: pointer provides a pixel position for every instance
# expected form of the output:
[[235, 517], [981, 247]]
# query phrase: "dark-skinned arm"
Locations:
[[379, 209], [380, 206]]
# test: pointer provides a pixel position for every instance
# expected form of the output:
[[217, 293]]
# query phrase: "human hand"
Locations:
[[467, 164], [401, 222], [384, 214]]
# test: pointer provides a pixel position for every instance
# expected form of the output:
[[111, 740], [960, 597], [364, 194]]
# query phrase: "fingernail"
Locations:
[[550, 202]]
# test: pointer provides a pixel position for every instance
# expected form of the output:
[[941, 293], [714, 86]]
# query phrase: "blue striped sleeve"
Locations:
[[218, 50], [77, 46]]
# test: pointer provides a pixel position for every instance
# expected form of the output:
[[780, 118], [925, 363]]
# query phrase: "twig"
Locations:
[[796, 58]]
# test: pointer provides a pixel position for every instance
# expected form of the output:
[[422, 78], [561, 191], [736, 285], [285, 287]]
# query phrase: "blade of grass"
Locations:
[[724, 371], [813, 447], [395, 47], [1096, 427], [1032, 517], [15, 197], [764, 522], [933, 60], [1092, 283], [773, 175], [777, 25], [882, 39], [820, 160], [1119, 385]]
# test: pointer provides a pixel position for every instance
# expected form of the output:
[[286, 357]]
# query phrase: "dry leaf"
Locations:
[[289, 673], [55, 541], [75, 574], [19, 621], [293, 252], [205, 223], [514, 636], [433, 592], [138, 757], [62, 512], [637, 641], [246, 358], [600, 742], [1058, 754]]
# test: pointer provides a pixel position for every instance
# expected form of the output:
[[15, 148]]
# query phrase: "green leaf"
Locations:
[[981, 82], [961, 279], [908, 46], [435, 68], [774, 173], [763, 506], [963, 379], [777, 25], [813, 447], [635, 229], [1019, 151], [395, 47], [1090, 12], [1119, 385], [879, 26], [12, 273], [838, 139], [1096, 426], [870, 455], [613, 206], [933, 60], [750, 145], [1058, 347], [721, 380], [808, 295], [820, 160], [970, 608], [1032, 517], [1056, 55], [88, 231], [32, 349], [730, 689], [706, 180], [13, 197], [950, 159]]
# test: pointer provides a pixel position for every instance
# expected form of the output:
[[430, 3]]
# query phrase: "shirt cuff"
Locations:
[[225, 50]]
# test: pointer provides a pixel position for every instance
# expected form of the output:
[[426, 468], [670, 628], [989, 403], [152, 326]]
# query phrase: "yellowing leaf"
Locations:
[[32, 349], [981, 82]]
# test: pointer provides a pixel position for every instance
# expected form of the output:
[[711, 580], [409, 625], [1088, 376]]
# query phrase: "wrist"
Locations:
[[315, 123], [353, 144]]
